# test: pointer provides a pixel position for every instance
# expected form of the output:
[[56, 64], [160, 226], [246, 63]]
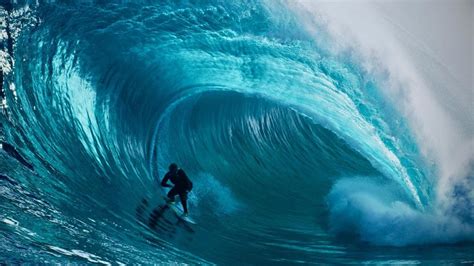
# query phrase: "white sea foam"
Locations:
[[376, 212]]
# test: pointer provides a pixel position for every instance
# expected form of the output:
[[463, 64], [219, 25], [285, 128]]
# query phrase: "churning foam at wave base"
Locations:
[[444, 138], [374, 211]]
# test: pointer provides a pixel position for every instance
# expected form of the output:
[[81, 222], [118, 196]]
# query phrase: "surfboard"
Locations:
[[178, 210]]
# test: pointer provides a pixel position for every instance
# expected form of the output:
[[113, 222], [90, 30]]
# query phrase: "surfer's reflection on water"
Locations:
[[141, 209], [161, 220]]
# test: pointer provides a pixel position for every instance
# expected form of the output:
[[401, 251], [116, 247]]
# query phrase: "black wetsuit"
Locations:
[[181, 183]]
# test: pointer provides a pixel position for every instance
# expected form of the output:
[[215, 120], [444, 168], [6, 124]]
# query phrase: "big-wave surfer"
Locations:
[[181, 186]]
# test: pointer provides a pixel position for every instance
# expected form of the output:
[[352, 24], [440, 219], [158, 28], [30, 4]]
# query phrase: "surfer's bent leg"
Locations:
[[172, 193], [184, 197]]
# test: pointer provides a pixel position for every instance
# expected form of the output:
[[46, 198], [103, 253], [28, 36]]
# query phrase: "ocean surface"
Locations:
[[303, 147]]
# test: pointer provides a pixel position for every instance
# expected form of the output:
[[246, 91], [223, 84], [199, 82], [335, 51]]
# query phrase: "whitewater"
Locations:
[[314, 133]]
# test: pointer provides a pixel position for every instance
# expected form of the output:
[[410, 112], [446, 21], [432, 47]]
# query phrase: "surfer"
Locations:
[[182, 185]]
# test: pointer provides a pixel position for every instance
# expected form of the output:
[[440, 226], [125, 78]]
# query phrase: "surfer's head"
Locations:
[[173, 167]]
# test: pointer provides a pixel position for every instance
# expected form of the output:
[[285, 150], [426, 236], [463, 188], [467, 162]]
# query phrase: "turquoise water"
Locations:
[[296, 154]]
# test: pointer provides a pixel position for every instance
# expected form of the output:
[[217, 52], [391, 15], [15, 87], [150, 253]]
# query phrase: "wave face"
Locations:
[[296, 154]]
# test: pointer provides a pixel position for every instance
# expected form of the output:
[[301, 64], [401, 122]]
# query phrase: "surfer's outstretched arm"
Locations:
[[164, 182], [173, 168]]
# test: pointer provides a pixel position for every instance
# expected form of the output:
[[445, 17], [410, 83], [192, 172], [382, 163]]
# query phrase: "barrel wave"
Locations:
[[296, 151]]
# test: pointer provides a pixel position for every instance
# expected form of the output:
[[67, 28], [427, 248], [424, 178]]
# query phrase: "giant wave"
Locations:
[[299, 152]]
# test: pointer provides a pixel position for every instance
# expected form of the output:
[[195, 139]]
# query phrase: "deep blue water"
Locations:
[[295, 153]]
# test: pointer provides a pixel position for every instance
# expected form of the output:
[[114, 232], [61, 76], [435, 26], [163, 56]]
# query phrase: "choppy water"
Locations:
[[296, 152]]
